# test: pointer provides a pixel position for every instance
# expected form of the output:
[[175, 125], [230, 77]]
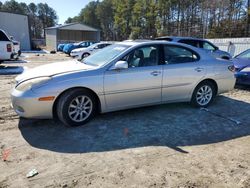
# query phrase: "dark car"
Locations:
[[199, 43], [242, 67]]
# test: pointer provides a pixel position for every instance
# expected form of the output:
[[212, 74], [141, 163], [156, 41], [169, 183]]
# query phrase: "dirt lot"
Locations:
[[171, 145]]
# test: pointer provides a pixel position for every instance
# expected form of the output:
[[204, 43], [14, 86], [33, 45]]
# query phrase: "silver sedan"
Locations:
[[125, 75]]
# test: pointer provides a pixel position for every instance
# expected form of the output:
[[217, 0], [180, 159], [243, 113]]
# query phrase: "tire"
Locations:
[[76, 107], [84, 55], [225, 57], [203, 94]]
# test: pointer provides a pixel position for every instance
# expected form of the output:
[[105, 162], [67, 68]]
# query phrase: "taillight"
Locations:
[[9, 48], [231, 68]]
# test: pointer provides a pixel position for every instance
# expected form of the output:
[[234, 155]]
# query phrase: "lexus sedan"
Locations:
[[125, 75], [242, 68], [199, 43]]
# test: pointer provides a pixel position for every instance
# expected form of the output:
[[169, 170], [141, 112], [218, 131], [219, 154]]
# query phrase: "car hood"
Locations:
[[241, 63], [53, 69]]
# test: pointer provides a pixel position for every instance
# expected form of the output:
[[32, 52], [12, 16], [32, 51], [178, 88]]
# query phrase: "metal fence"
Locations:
[[232, 45]]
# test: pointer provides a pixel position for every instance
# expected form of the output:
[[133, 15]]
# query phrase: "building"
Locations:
[[16, 25], [74, 32]]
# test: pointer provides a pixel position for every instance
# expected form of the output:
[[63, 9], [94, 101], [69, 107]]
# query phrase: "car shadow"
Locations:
[[170, 125], [10, 70], [242, 87]]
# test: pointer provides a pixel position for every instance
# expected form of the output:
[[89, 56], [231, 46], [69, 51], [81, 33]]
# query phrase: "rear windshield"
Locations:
[[3, 37], [165, 38]]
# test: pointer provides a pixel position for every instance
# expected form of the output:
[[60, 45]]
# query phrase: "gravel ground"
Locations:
[[171, 145]]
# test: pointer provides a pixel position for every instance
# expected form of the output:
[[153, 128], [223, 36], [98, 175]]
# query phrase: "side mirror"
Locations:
[[216, 48], [120, 65]]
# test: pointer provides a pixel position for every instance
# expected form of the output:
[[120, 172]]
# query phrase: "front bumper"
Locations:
[[26, 104], [242, 78]]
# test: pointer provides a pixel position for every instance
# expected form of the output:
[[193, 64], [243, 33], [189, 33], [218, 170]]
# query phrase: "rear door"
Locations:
[[181, 72]]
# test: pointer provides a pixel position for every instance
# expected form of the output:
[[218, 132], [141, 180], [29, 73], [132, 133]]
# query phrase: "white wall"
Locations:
[[16, 25], [51, 39], [232, 45]]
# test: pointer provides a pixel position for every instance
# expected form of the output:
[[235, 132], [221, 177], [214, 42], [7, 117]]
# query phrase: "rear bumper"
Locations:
[[226, 84]]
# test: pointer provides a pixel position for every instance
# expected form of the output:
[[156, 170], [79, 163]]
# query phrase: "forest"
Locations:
[[137, 19], [123, 19]]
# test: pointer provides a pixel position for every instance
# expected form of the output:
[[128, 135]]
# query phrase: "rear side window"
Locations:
[[3, 37], [194, 43], [207, 46], [178, 54]]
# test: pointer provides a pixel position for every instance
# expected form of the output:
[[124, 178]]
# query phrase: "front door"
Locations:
[[137, 85]]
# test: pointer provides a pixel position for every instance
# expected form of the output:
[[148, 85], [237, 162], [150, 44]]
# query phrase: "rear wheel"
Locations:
[[76, 107], [203, 94]]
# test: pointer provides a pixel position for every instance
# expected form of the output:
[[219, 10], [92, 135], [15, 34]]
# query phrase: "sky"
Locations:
[[64, 9]]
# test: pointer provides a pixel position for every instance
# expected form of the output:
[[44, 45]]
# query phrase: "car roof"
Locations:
[[180, 38], [138, 43]]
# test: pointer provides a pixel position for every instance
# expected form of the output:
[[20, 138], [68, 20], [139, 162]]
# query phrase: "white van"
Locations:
[[7, 50]]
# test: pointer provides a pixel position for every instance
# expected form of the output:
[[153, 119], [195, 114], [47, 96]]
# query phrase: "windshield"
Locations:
[[105, 55], [244, 55]]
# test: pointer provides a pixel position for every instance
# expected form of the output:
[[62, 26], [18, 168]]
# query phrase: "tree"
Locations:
[[15, 7], [40, 16], [105, 15], [88, 15], [47, 15]]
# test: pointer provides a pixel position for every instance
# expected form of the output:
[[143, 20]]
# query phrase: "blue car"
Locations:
[[66, 47], [242, 68], [60, 47], [69, 47]]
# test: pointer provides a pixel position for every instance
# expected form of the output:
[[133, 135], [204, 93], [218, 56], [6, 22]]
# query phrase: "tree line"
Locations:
[[40, 15], [123, 19]]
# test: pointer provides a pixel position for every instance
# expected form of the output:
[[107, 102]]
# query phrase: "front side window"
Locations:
[[178, 54], [142, 57]]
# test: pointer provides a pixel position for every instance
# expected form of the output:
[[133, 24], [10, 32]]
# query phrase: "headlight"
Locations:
[[246, 69], [26, 85]]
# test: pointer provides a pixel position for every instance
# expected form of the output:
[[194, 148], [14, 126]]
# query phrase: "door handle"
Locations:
[[198, 69], [155, 73]]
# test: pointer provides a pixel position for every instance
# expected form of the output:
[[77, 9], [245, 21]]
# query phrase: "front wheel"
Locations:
[[203, 94], [85, 55], [76, 107]]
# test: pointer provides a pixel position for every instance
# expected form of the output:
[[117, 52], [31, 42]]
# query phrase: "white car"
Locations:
[[7, 49], [81, 53]]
